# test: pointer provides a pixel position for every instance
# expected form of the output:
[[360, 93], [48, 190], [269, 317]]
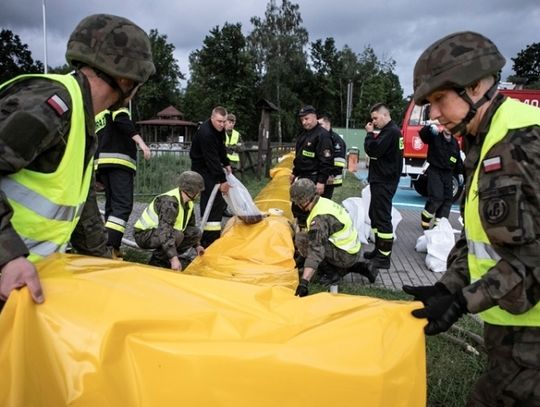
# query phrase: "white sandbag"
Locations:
[[355, 207], [440, 241], [421, 244]]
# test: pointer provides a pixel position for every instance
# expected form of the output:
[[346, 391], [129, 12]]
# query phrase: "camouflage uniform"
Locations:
[[167, 241], [319, 252], [514, 283], [33, 135]]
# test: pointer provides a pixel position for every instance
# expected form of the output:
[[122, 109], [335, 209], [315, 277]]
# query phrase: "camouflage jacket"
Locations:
[[320, 229], [166, 207], [514, 282], [33, 135]]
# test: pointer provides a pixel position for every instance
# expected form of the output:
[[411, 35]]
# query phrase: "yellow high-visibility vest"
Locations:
[[481, 254], [47, 207], [345, 239], [231, 141], [149, 218]]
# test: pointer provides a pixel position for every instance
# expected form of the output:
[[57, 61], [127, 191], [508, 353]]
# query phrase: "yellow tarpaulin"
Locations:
[[114, 333]]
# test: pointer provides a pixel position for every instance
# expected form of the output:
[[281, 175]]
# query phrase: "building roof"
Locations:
[[170, 112]]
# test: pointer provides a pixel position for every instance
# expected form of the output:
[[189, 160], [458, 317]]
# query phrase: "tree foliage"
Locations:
[[527, 65], [15, 57], [163, 88], [278, 42], [223, 73]]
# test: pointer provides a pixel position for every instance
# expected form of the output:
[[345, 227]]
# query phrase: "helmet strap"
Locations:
[[461, 128]]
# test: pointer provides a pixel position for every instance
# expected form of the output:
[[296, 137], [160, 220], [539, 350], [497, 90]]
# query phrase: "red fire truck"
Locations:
[[415, 151]]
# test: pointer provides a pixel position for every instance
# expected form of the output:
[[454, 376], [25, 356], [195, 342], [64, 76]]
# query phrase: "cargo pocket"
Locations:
[[526, 351]]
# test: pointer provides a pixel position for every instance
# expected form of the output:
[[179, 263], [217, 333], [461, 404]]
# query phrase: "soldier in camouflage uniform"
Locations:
[[167, 225], [331, 238], [494, 268], [47, 144]]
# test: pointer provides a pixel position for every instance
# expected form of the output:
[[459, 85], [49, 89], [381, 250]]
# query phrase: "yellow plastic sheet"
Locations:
[[261, 253], [119, 334]]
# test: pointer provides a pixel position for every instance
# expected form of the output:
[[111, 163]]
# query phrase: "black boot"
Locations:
[[366, 269], [372, 253], [384, 249]]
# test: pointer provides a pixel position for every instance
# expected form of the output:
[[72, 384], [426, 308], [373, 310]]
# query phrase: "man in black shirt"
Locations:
[[385, 151], [209, 158], [314, 157], [340, 161]]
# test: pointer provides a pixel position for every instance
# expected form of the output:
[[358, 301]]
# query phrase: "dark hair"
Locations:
[[378, 106], [325, 117]]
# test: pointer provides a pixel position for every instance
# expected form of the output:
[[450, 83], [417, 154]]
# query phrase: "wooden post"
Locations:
[[264, 154]]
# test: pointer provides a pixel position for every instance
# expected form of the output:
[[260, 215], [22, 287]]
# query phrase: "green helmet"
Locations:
[[191, 182], [112, 44], [455, 61], [302, 191]]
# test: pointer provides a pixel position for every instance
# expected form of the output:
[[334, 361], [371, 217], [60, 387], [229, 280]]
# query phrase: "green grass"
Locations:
[[451, 371]]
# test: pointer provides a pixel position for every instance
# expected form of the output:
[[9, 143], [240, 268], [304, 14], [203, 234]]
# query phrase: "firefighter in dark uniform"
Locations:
[[314, 158], [331, 238], [494, 268], [116, 163], [444, 161], [340, 154], [47, 145], [167, 225], [209, 158], [385, 151]]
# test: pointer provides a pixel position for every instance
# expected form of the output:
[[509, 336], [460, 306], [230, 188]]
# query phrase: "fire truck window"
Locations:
[[414, 119]]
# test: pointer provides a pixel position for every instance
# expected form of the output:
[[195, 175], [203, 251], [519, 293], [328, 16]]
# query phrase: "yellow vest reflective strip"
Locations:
[[116, 224], [340, 162], [116, 158], [231, 141], [101, 120], [345, 239], [121, 110], [481, 254], [63, 192], [149, 218], [212, 226]]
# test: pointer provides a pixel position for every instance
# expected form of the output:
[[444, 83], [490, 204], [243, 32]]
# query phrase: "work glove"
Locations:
[[302, 289], [442, 312], [426, 293]]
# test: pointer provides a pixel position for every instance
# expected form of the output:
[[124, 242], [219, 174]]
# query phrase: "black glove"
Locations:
[[302, 289], [442, 312], [426, 293]]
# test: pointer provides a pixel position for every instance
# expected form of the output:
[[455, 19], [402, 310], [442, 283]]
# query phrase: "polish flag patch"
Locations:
[[492, 164], [59, 106]]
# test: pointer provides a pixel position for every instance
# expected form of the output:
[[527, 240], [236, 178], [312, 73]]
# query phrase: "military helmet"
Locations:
[[455, 61], [191, 182], [302, 191], [112, 44]]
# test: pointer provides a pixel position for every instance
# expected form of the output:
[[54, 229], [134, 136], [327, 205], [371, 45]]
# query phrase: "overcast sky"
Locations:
[[397, 29]]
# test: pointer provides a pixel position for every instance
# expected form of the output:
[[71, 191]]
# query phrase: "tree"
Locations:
[[223, 73], [15, 57], [527, 66], [163, 88], [277, 42]]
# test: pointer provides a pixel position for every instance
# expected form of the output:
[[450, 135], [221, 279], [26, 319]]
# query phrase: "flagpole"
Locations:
[[44, 13]]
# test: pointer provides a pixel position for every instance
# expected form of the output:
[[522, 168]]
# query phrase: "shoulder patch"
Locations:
[[58, 104], [492, 164], [495, 210], [327, 153]]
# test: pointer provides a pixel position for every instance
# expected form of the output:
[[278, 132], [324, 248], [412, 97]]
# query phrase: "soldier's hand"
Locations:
[[302, 289], [18, 273], [200, 250], [426, 293], [320, 188], [175, 264], [442, 313]]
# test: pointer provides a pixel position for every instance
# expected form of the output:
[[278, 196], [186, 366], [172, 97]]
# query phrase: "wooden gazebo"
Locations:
[[168, 127]]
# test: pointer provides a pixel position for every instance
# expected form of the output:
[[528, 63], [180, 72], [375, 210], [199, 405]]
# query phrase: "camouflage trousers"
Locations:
[[335, 260], [150, 239], [513, 372]]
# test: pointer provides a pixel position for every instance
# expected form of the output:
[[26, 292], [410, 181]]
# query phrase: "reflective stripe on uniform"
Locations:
[[340, 162], [212, 226], [116, 158], [36, 202]]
